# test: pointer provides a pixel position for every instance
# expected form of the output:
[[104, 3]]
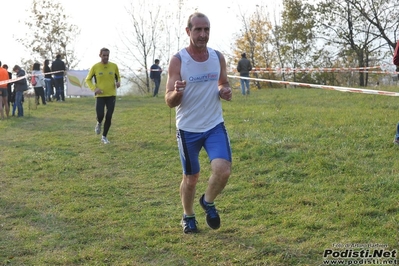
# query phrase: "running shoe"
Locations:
[[212, 216], [189, 224], [97, 129], [104, 140]]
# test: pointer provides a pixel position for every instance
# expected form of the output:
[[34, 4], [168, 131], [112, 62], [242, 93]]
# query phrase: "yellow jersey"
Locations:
[[104, 77]]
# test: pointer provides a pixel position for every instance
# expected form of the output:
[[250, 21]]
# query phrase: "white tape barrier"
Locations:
[[320, 69], [326, 87], [26, 76], [289, 71]]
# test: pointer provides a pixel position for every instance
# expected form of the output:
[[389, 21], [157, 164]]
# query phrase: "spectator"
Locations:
[[48, 80], [155, 76], [9, 86], [58, 66], [39, 85], [19, 87], [244, 66], [3, 92]]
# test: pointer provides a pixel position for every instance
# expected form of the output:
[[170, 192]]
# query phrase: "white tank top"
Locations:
[[200, 109]]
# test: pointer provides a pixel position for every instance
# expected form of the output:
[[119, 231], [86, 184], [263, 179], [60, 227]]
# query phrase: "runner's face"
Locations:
[[104, 57], [199, 33]]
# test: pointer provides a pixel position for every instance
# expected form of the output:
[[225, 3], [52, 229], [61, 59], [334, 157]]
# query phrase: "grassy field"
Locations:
[[313, 170]]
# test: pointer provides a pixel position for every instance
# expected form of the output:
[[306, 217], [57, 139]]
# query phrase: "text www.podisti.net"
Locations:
[[360, 257]]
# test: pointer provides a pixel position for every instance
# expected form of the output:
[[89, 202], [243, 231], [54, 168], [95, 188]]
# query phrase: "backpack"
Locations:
[[33, 81]]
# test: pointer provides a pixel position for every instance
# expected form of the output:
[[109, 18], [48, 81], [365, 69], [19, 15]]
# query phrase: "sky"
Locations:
[[102, 21]]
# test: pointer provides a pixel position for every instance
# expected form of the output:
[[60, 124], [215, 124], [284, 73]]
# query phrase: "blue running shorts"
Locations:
[[216, 143]]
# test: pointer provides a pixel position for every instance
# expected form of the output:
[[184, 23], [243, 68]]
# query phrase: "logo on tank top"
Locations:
[[204, 77]]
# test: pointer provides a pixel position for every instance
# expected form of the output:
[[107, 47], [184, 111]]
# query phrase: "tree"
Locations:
[[276, 40], [328, 33], [154, 31], [381, 14], [255, 40], [149, 36], [360, 30], [296, 36], [141, 43], [50, 33]]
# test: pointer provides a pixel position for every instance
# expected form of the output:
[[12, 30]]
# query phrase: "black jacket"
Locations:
[[57, 65]]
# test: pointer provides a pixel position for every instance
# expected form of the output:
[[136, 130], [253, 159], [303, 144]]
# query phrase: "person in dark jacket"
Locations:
[[20, 86], [58, 66], [155, 75], [244, 66]]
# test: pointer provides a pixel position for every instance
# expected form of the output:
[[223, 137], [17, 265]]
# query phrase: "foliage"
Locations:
[[344, 26], [359, 31], [50, 33], [327, 33], [311, 168], [297, 37], [255, 41]]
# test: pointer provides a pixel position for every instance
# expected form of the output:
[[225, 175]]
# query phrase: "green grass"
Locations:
[[311, 168]]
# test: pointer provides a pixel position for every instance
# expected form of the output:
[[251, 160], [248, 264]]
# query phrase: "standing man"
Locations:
[[244, 66], [4, 92], [155, 75], [106, 81], [197, 81], [58, 66]]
